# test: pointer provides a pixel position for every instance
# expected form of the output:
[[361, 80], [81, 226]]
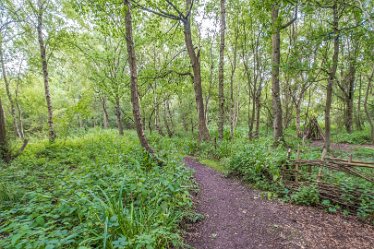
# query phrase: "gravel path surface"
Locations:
[[236, 217]]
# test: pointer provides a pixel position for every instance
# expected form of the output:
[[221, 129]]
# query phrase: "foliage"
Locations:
[[306, 195], [259, 163], [356, 137], [97, 190]]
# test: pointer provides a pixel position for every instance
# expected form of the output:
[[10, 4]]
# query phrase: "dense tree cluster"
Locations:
[[178, 66]]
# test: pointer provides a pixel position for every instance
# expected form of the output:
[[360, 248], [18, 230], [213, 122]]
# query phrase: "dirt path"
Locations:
[[237, 218]]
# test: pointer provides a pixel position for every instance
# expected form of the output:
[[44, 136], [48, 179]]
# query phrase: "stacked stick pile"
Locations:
[[321, 173]]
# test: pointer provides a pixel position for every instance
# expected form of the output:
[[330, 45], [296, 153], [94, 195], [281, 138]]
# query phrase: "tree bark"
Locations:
[[43, 57], [276, 100], [331, 77], [298, 119], [369, 116], [221, 95], [119, 116], [233, 70], [358, 111], [4, 147], [134, 79], [258, 113], [350, 92], [167, 120], [195, 63], [8, 93], [207, 96], [105, 113]]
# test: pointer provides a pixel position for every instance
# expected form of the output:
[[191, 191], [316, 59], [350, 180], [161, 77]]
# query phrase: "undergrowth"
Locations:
[[97, 190], [259, 163]]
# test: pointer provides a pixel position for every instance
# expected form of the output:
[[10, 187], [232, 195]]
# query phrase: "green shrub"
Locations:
[[306, 195], [356, 137], [259, 163]]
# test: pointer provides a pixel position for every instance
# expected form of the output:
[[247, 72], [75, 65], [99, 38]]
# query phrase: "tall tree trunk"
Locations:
[[211, 75], [221, 95], [350, 94], [195, 63], [43, 57], [258, 113], [4, 147], [253, 116], [276, 100], [233, 70], [156, 110], [170, 115], [331, 77], [9, 95], [358, 111], [298, 119], [105, 113], [369, 115], [134, 79], [166, 121], [119, 116]]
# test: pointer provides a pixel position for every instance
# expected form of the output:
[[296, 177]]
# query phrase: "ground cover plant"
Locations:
[[93, 191]]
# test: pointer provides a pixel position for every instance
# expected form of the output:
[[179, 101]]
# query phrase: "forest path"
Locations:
[[236, 217]]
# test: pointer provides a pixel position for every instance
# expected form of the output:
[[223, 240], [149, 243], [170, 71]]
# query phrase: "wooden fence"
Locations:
[[319, 173]]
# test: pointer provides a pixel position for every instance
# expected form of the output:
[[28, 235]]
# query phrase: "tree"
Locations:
[[332, 73], [134, 78], [40, 10], [368, 113], [185, 19], [276, 99], [4, 147], [221, 95]]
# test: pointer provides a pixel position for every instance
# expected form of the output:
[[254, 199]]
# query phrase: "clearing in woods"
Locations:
[[236, 217]]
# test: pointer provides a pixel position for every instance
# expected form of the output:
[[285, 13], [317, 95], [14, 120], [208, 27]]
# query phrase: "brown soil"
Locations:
[[236, 217], [343, 146]]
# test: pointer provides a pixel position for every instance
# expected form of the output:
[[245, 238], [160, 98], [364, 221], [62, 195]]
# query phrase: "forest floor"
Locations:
[[343, 146], [235, 216]]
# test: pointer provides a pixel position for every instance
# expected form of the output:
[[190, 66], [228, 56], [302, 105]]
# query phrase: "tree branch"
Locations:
[[159, 13], [293, 19]]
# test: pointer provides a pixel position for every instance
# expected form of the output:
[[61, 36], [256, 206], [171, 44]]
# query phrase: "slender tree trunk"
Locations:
[[166, 121], [9, 95], [232, 100], [331, 78], [350, 95], [207, 97], [221, 95], [19, 112], [169, 114], [195, 63], [105, 113], [253, 115], [258, 113], [369, 115], [43, 57], [134, 79], [4, 147], [298, 119], [358, 111], [119, 116], [276, 100]]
